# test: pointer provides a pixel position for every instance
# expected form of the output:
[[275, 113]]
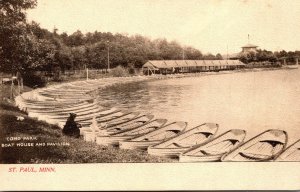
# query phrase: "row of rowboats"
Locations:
[[197, 144]]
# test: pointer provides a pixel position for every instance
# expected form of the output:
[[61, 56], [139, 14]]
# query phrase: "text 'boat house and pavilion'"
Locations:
[[189, 66]]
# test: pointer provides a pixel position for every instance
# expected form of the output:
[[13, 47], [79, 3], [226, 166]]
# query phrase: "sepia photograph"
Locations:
[[149, 94]]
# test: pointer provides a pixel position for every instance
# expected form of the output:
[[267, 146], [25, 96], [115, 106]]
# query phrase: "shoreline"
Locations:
[[92, 86]]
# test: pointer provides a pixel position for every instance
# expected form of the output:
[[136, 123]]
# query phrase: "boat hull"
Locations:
[[166, 152], [292, 153], [175, 146], [263, 147], [109, 140], [214, 149], [190, 158], [139, 145]]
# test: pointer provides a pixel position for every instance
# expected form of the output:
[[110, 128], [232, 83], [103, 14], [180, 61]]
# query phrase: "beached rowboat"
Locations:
[[69, 109], [119, 120], [154, 137], [90, 132], [81, 114], [112, 120], [213, 150], [41, 105], [184, 141], [263, 147], [139, 121], [292, 153], [108, 118], [106, 138], [62, 111], [66, 95], [107, 114], [112, 128]]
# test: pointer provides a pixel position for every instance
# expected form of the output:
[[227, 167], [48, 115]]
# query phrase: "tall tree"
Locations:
[[13, 36], [219, 56]]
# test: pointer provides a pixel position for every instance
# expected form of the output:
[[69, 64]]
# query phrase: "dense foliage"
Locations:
[[269, 56]]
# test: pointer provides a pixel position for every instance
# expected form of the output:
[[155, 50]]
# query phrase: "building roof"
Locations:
[[152, 64], [249, 46]]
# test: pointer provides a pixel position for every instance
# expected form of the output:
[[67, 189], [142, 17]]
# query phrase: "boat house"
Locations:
[[189, 66]]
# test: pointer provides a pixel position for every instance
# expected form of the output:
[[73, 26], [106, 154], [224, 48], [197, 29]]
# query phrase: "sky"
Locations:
[[212, 26]]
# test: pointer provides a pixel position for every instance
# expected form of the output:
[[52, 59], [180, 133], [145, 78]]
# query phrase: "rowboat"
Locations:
[[213, 150], [30, 103], [86, 86], [263, 147], [63, 98], [103, 118], [69, 109], [51, 105], [35, 102], [75, 99], [109, 113], [88, 116], [82, 114], [63, 91], [154, 137], [103, 126], [292, 153], [139, 121], [42, 107], [89, 133], [66, 96], [184, 141], [63, 111], [107, 122], [114, 138], [113, 128], [77, 87]]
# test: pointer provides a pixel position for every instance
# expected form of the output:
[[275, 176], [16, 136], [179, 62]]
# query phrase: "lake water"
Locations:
[[253, 101]]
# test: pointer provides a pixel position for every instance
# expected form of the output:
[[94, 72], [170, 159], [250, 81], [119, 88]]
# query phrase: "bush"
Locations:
[[119, 71], [33, 80], [131, 71]]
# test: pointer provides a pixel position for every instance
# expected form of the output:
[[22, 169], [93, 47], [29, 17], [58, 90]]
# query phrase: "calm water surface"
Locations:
[[254, 101]]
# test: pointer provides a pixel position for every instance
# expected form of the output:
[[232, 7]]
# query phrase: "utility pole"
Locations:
[[227, 53], [183, 53], [108, 67], [87, 73], [248, 38]]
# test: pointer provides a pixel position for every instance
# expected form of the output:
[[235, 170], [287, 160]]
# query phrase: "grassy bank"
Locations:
[[71, 150]]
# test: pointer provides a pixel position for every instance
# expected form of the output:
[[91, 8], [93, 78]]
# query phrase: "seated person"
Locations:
[[71, 128]]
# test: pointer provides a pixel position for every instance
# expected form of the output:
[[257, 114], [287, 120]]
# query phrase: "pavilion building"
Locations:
[[189, 66]]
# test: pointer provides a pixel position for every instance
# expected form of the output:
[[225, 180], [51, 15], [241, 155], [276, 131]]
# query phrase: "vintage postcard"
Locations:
[[149, 95]]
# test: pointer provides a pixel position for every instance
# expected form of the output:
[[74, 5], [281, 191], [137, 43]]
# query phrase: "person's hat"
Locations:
[[73, 114]]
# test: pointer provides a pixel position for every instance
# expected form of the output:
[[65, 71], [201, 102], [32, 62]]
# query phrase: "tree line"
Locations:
[[269, 56]]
